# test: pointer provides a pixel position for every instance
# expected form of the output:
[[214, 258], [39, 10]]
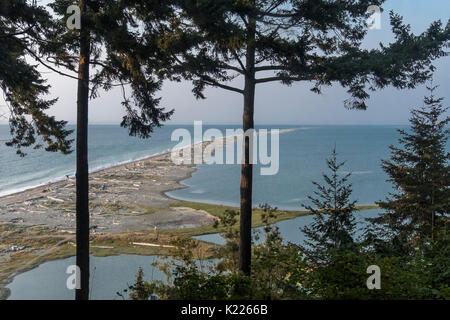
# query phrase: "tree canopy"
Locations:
[[334, 225], [24, 89], [419, 170], [315, 41], [212, 43], [119, 57]]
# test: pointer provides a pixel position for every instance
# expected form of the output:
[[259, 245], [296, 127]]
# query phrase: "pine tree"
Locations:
[[420, 173], [334, 224], [21, 24], [213, 42], [107, 51]]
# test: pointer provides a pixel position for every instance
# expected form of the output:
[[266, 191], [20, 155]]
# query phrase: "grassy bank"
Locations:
[[44, 244], [217, 211]]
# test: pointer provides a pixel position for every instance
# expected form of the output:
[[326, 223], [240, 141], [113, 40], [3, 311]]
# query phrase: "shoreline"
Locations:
[[62, 178], [125, 178], [150, 249], [57, 180], [126, 200]]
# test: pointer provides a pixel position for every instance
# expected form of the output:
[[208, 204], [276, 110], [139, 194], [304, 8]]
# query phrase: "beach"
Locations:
[[130, 213], [124, 199]]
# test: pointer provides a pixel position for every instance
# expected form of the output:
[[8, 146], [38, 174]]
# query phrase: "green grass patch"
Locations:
[[217, 210]]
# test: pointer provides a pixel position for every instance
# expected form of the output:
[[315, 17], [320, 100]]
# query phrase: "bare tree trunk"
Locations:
[[245, 245], [82, 174]]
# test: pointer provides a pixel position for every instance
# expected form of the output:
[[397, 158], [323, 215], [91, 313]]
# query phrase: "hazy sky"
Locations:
[[277, 104]]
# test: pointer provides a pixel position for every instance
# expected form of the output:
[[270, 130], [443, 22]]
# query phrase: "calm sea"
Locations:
[[302, 160]]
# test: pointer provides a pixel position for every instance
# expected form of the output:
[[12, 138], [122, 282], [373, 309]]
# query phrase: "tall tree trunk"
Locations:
[[82, 173], [245, 245]]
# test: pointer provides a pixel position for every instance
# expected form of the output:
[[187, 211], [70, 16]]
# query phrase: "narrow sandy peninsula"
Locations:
[[124, 198], [128, 207], [130, 214]]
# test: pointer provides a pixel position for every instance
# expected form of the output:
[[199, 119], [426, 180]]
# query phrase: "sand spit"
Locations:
[[127, 198], [124, 198]]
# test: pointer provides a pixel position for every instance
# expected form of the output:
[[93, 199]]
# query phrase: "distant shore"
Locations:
[[34, 192], [61, 178], [125, 198], [128, 205]]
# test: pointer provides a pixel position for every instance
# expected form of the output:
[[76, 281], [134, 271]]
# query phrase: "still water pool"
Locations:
[[108, 276], [112, 274]]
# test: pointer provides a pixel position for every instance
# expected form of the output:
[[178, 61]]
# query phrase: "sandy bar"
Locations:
[[123, 198]]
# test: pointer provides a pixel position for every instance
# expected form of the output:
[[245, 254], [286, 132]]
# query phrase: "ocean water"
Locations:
[[108, 145], [108, 276], [302, 160]]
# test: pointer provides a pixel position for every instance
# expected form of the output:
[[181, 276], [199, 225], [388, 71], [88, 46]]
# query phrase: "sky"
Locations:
[[275, 103]]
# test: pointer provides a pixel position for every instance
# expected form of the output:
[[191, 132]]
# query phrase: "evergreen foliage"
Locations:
[[120, 57], [213, 43], [334, 224], [24, 89], [420, 173]]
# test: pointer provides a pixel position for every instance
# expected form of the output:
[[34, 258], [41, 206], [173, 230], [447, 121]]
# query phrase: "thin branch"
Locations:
[[244, 20], [274, 6], [18, 33], [227, 66], [214, 83], [269, 68], [261, 60], [211, 82], [68, 75], [277, 15], [47, 66], [124, 93], [280, 78], [236, 56]]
